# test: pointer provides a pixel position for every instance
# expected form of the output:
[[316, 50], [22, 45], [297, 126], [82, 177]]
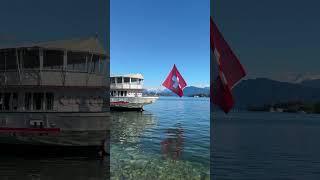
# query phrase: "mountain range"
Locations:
[[188, 91], [260, 91]]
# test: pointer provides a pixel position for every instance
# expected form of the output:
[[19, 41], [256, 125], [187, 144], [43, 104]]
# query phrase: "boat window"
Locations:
[[31, 59], [125, 93], [7, 101], [103, 65], [76, 61], [134, 80], [93, 64], [27, 101], [118, 93], [121, 93], [119, 79], [1, 101], [49, 101], [2, 61], [37, 101], [126, 80], [15, 101], [53, 59], [11, 61], [113, 80]]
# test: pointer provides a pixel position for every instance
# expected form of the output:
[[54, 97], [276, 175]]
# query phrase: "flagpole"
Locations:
[[211, 108]]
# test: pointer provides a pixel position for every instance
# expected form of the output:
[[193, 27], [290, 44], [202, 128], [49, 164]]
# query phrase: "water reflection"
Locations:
[[128, 127], [172, 145], [147, 145]]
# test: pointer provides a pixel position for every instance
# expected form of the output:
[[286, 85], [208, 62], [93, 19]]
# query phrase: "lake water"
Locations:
[[266, 146], [169, 140], [44, 168]]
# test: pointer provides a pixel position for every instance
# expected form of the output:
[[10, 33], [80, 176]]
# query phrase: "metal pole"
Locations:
[[18, 66], [41, 64], [65, 63], [211, 106], [89, 70], [5, 68]]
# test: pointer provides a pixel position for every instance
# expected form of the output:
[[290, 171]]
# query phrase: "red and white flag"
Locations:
[[175, 82], [227, 70]]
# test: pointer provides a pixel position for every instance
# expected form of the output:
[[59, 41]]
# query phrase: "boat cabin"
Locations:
[[130, 85], [68, 75]]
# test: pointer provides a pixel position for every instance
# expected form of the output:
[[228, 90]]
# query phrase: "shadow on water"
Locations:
[[40, 168], [51, 163]]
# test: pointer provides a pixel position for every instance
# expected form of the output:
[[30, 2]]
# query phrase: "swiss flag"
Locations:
[[175, 82], [227, 70]]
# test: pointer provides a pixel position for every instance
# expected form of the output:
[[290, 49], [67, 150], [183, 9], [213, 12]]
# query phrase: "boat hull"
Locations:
[[130, 103], [64, 131]]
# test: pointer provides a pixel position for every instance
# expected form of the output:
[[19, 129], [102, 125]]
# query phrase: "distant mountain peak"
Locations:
[[297, 77]]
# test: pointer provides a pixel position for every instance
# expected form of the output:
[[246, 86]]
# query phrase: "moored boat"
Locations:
[[53, 95], [126, 93]]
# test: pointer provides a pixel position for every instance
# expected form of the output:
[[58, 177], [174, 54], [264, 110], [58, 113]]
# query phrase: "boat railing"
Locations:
[[125, 86], [52, 77]]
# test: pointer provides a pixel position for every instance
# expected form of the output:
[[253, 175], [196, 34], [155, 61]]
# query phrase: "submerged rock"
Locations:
[[150, 166]]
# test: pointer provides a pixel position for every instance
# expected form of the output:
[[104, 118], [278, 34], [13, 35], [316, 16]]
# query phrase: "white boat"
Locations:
[[53, 95], [126, 92]]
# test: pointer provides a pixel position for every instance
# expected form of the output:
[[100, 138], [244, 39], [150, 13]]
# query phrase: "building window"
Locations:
[[49, 101], [37, 101]]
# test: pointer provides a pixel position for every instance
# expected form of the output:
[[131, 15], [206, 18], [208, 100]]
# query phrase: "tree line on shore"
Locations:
[[292, 106]]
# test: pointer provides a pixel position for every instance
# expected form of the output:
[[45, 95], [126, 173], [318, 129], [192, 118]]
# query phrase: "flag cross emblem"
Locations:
[[175, 82]]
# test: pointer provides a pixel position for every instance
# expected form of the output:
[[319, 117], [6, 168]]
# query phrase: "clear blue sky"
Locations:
[[42, 20], [149, 36], [274, 37]]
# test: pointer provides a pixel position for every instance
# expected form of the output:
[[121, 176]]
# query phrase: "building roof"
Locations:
[[91, 45], [139, 76]]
